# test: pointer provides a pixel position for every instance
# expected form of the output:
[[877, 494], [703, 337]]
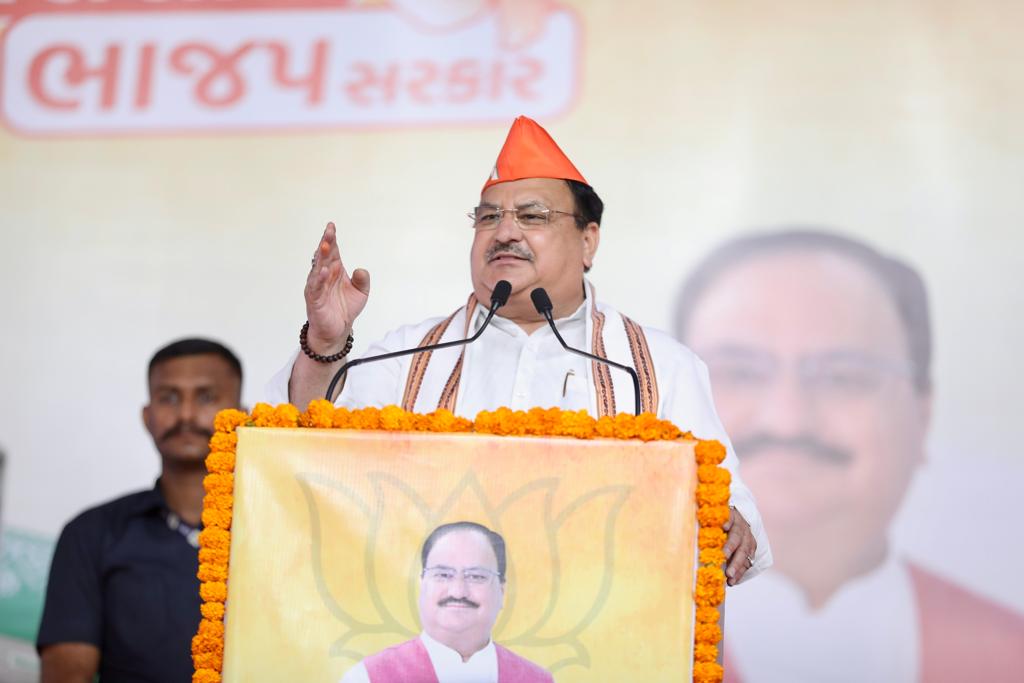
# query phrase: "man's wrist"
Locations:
[[313, 349]]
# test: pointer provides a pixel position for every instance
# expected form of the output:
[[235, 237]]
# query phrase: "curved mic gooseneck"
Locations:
[[499, 297], [542, 302]]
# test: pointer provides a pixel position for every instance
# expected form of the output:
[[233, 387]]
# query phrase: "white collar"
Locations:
[[776, 635], [443, 656], [511, 328]]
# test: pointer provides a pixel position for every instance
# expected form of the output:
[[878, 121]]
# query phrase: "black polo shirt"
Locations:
[[124, 581]]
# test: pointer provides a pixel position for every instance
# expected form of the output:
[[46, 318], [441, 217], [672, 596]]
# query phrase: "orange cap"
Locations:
[[529, 152]]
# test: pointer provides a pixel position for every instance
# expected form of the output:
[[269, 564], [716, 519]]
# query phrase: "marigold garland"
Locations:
[[215, 539]]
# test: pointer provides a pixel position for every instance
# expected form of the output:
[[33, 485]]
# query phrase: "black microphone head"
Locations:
[[541, 301], [502, 291]]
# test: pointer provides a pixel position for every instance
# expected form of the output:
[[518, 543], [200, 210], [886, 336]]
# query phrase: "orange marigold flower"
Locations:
[[440, 420], [286, 415], [212, 610], [648, 427], [217, 518], [707, 633], [213, 591], [707, 615], [713, 556], [219, 483], [220, 461], [224, 441], [709, 452], [206, 676], [342, 418], [218, 501], [263, 415], [712, 494], [605, 427], [707, 672], [211, 628], [710, 537], [625, 426], [216, 538], [546, 421], [228, 420], [722, 476], [460, 425], [394, 418], [214, 555], [209, 571], [208, 660], [204, 642], [484, 422], [319, 414], [365, 418], [713, 515], [705, 652], [710, 590], [707, 474], [577, 423]]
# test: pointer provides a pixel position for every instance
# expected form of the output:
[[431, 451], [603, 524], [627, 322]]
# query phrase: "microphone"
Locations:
[[542, 302], [499, 297]]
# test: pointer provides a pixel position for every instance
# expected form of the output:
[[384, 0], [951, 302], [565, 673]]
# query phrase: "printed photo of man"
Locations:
[[462, 591]]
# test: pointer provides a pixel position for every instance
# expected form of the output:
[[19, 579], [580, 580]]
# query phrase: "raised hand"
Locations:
[[333, 301], [333, 298]]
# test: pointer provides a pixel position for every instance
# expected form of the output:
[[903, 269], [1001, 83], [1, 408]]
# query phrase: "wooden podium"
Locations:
[[322, 529]]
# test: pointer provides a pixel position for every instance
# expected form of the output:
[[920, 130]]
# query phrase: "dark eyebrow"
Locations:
[[532, 202]]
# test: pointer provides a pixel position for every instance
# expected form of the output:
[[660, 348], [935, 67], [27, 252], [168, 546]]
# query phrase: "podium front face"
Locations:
[[329, 524]]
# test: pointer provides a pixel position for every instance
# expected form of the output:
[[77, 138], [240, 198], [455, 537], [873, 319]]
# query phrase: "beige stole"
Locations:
[[629, 334]]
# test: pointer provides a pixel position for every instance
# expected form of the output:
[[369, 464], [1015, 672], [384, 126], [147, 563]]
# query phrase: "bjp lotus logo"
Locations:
[[366, 536]]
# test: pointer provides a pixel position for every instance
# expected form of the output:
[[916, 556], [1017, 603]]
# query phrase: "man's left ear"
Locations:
[[145, 418], [591, 238]]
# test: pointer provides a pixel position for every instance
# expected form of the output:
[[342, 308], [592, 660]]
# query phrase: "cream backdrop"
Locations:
[[897, 122]]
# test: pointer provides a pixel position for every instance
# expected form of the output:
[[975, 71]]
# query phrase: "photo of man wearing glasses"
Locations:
[[462, 590]]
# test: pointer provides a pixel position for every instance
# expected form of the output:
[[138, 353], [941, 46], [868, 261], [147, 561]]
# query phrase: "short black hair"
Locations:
[[493, 537], [901, 283], [195, 347], [589, 206]]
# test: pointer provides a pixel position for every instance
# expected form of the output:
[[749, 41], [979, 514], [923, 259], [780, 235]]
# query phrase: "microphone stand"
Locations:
[[542, 302], [499, 297]]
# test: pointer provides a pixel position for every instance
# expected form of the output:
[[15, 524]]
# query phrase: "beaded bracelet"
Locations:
[[304, 345]]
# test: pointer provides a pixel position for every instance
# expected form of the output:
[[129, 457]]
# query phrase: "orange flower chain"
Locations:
[[712, 513], [215, 539]]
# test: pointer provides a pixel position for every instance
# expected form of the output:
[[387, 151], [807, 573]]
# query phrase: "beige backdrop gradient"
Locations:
[[896, 122]]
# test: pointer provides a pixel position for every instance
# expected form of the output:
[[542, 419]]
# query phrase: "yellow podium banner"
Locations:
[[328, 528]]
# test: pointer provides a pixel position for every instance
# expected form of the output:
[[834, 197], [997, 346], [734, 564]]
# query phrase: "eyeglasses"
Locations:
[[475, 576], [526, 217], [834, 376]]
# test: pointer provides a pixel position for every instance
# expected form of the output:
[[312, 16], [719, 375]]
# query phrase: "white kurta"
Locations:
[[867, 631], [507, 367], [481, 667]]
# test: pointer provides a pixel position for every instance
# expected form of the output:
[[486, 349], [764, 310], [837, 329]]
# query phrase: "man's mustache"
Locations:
[[187, 428], [513, 248], [458, 601], [756, 444]]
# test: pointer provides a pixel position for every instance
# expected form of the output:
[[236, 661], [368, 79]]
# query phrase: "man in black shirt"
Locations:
[[123, 598]]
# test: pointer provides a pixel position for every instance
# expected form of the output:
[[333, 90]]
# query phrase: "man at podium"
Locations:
[[536, 225]]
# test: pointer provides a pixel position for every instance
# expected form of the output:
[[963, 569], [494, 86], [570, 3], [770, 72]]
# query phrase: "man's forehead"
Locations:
[[463, 546], [193, 370], [797, 300], [527, 190]]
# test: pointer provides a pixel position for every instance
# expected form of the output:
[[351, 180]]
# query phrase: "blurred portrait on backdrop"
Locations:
[[820, 352]]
